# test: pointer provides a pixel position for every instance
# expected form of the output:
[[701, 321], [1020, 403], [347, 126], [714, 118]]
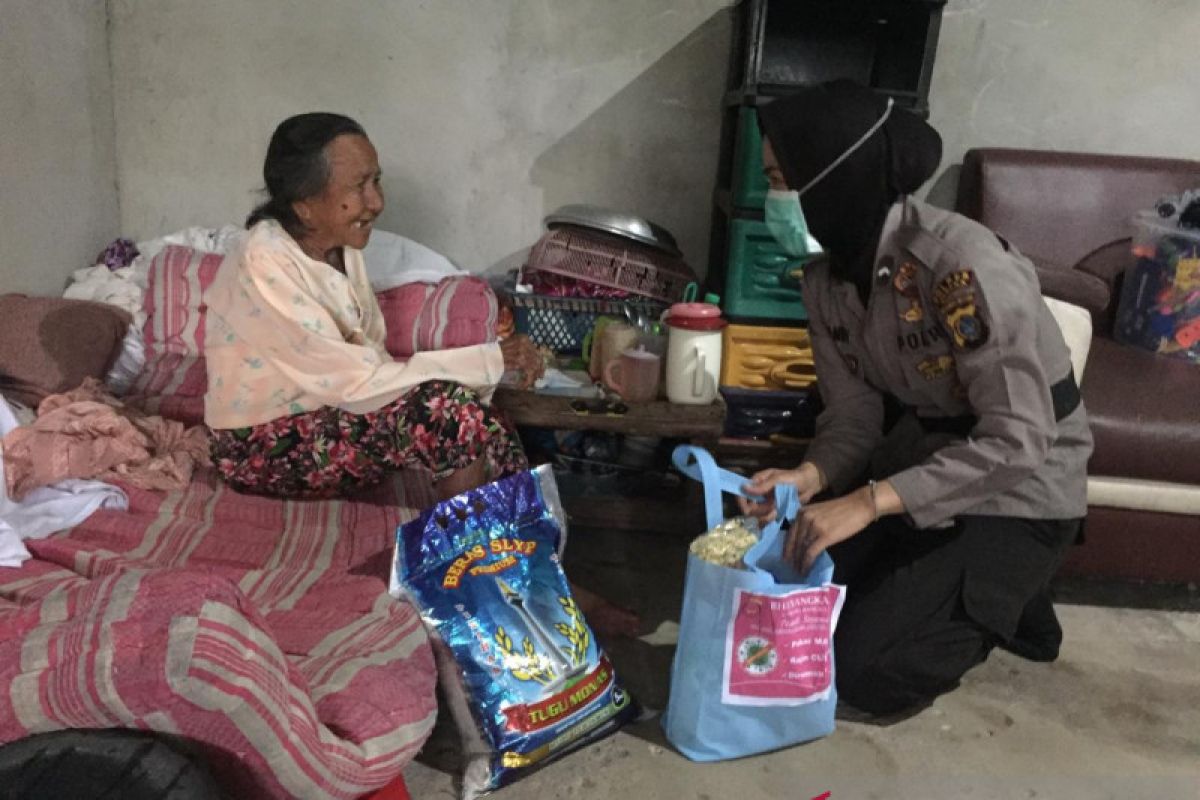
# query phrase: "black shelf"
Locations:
[[885, 44], [780, 46]]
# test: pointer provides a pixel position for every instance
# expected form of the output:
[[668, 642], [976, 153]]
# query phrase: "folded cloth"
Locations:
[[206, 240], [48, 509], [87, 433], [122, 287]]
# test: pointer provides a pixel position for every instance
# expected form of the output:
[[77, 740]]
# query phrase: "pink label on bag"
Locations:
[[779, 648]]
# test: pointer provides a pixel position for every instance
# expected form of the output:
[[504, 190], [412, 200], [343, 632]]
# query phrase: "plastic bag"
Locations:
[[754, 669], [520, 668]]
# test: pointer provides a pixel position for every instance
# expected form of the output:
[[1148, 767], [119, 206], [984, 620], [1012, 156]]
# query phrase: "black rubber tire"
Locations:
[[101, 765]]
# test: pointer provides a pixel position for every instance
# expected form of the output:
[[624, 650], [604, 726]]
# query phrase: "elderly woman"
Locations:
[[303, 399], [953, 440]]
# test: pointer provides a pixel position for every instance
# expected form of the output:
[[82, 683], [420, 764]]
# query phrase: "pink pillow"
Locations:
[[457, 312], [174, 380]]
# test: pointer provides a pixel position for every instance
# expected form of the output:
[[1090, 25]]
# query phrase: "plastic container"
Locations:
[[762, 282], [611, 261], [767, 357], [749, 181], [693, 352], [1159, 308]]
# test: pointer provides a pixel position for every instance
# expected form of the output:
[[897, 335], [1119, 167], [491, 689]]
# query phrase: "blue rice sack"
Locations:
[[519, 666]]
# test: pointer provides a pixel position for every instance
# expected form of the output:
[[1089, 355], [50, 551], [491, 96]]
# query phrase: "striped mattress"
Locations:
[[260, 630]]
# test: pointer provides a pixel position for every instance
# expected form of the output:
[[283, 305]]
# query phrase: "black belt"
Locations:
[[1064, 395]]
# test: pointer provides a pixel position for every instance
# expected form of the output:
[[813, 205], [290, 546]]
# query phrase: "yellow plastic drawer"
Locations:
[[762, 357]]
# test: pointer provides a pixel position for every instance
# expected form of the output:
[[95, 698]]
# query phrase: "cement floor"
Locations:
[[1117, 716]]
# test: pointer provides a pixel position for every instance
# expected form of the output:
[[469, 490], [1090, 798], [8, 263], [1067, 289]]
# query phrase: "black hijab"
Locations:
[[846, 209]]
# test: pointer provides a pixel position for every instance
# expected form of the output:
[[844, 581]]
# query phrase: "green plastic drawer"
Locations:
[[749, 182], [759, 284]]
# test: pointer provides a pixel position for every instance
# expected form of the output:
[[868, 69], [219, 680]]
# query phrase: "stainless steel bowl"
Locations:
[[617, 223]]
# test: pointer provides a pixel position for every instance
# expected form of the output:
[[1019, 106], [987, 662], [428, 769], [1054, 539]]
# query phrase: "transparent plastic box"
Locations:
[[1159, 307]]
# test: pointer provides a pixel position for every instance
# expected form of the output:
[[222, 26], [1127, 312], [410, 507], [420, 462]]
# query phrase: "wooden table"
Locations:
[[702, 424], [666, 510]]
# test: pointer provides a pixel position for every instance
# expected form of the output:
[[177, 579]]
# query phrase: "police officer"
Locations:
[[949, 464]]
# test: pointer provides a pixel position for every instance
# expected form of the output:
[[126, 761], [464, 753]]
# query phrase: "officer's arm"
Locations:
[[991, 316]]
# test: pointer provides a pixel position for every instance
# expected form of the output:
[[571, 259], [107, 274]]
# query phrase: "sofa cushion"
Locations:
[[1076, 327], [1142, 409], [50, 344]]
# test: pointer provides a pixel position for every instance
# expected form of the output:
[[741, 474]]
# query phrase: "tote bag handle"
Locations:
[[698, 464]]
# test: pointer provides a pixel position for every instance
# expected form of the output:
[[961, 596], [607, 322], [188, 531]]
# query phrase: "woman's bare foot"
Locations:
[[605, 617]]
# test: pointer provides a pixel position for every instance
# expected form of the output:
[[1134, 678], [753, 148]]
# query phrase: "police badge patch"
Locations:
[[935, 367], [959, 303]]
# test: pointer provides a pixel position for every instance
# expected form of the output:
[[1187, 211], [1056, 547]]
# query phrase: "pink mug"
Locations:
[[634, 375]]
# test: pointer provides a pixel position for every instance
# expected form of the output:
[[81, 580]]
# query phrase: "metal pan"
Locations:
[[617, 223]]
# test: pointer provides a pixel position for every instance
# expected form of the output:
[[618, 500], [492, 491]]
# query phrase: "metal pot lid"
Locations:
[[617, 223]]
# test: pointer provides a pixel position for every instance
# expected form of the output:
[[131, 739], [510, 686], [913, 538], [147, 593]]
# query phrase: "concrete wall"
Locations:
[[58, 195], [487, 115], [1104, 76], [490, 114]]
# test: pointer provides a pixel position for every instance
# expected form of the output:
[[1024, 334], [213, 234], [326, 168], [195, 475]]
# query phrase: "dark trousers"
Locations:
[[923, 607]]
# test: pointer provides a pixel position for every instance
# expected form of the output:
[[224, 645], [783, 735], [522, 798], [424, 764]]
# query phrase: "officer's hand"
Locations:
[[823, 525], [806, 479]]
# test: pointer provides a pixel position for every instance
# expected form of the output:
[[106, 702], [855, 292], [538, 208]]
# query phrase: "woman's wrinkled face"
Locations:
[[342, 214]]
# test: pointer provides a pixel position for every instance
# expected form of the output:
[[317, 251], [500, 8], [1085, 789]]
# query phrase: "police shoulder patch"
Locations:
[[961, 307]]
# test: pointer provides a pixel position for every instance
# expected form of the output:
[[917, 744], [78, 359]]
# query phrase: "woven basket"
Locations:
[[562, 323]]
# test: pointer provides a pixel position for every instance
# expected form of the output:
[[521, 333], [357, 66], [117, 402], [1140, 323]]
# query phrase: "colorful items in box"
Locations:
[[1159, 309]]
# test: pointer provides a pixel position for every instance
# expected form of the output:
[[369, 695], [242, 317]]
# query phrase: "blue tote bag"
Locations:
[[753, 670]]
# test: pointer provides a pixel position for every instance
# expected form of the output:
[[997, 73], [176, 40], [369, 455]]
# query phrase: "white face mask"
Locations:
[[785, 220]]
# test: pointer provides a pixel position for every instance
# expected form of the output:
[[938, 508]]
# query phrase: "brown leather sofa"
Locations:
[[1071, 213]]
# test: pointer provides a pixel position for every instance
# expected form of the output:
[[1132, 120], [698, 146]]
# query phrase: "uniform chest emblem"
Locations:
[[935, 367], [959, 304], [839, 333], [909, 295], [905, 282]]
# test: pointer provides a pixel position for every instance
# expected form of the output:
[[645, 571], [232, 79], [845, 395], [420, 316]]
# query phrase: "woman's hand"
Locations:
[[823, 525], [806, 478], [523, 359]]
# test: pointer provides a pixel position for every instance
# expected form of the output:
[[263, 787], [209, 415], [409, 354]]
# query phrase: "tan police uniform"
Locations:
[[988, 451], [954, 328]]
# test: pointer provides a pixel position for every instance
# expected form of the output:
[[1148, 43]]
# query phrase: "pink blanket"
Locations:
[[87, 433], [259, 628]]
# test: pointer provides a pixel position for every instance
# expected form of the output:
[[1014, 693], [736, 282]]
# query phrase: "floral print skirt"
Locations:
[[329, 452]]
